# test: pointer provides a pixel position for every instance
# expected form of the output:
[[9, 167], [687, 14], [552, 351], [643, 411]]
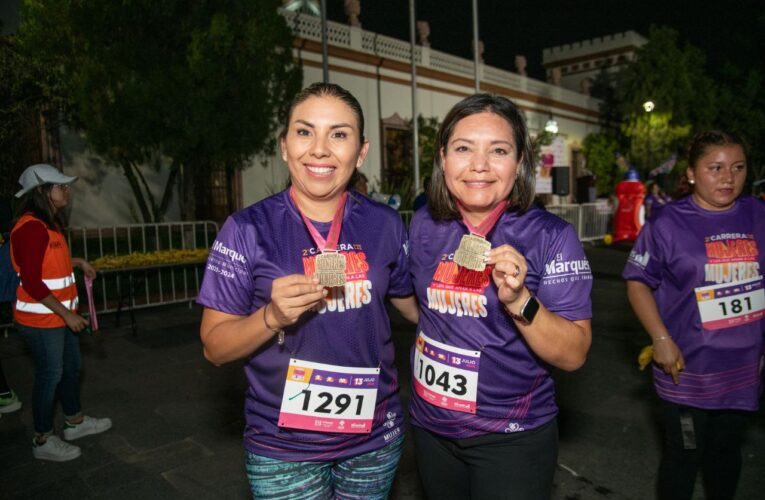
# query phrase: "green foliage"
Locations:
[[742, 110], [600, 151], [653, 139], [403, 185], [201, 84], [427, 130], [673, 77], [544, 138], [27, 92]]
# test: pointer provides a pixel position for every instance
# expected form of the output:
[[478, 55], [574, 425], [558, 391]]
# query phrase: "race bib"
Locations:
[[446, 376], [731, 304], [329, 398]]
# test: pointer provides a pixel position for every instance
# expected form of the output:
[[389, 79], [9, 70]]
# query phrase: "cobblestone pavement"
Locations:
[[178, 420]]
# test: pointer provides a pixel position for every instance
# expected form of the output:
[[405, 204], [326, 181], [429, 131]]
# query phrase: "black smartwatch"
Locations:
[[528, 310]]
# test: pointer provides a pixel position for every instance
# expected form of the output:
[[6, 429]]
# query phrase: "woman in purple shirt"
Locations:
[[295, 285], [504, 294], [694, 279]]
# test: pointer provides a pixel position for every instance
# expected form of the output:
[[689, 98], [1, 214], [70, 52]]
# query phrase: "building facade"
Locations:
[[376, 69]]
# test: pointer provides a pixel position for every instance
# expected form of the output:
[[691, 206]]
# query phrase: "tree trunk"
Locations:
[[167, 194], [186, 198], [127, 169]]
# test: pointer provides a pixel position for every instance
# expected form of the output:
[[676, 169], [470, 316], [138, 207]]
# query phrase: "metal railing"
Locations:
[[141, 286], [136, 287], [591, 220]]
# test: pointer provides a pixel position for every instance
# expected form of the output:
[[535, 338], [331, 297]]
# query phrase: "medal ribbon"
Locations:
[[488, 223], [91, 304], [334, 230]]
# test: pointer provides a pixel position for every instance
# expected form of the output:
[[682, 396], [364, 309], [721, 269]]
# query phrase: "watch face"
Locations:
[[530, 309]]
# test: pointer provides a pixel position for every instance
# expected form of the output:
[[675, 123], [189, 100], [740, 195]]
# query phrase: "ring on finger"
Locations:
[[517, 271]]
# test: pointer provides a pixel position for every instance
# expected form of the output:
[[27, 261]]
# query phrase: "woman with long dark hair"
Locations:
[[45, 312]]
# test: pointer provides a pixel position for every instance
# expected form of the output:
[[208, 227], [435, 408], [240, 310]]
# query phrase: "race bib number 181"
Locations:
[[731, 304]]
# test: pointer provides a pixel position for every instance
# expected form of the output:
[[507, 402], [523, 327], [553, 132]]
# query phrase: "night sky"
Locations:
[[726, 30]]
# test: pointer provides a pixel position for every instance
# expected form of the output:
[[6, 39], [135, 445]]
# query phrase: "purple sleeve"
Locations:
[[643, 263], [400, 278], [567, 280], [228, 285]]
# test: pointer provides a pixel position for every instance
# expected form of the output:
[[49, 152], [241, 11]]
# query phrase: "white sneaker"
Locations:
[[55, 449], [88, 426]]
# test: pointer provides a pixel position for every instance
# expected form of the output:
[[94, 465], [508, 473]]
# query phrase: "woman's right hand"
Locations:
[[75, 322], [293, 295], [667, 355]]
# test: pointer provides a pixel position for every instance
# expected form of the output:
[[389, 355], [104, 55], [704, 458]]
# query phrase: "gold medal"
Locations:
[[471, 253], [330, 269]]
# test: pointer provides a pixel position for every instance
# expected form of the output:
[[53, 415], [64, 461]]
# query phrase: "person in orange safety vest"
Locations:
[[45, 311]]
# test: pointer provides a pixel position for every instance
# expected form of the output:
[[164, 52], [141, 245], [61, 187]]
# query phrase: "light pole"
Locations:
[[648, 106]]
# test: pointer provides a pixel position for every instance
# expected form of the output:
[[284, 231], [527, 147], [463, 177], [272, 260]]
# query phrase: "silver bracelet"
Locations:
[[278, 331]]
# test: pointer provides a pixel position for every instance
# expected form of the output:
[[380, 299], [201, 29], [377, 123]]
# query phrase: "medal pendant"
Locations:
[[330, 268], [471, 252]]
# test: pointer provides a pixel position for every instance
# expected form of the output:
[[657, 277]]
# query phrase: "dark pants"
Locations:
[[517, 466], [56, 352], [707, 440], [3, 383]]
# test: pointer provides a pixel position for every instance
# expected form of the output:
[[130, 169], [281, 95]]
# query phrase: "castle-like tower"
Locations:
[[576, 66]]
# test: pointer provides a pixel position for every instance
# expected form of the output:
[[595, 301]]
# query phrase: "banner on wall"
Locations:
[[551, 155]]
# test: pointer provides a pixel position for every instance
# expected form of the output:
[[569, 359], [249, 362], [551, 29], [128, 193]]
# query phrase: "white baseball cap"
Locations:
[[42, 173]]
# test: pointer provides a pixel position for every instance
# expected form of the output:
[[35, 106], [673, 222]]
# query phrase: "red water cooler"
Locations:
[[629, 213]]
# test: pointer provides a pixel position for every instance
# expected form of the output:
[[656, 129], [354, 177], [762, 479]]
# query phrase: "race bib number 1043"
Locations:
[[446, 376]]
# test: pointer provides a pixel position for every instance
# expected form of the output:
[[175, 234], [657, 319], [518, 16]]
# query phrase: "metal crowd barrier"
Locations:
[[591, 220], [140, 286]]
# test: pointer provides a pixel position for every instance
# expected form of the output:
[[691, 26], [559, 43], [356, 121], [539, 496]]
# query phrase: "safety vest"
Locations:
[[58, 276]]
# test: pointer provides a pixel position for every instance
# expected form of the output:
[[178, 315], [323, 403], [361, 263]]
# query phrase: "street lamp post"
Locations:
[[649, 106]]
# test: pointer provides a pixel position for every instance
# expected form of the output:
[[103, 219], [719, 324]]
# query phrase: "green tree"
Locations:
[[600, 152], [674, 78], [742, 110], [192, 86], [653, 138], [671, 76], [27, 99], [427, 129]]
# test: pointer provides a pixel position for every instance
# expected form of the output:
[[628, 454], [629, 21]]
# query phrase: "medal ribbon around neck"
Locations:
[[330, 265], [471, 251]]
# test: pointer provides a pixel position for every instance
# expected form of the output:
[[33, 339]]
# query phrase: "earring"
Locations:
[[691, 181]]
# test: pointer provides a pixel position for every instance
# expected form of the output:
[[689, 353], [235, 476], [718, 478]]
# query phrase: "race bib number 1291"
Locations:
[[329, 398]]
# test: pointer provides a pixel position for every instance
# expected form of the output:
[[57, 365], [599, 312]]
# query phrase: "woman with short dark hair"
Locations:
[[504, 293]]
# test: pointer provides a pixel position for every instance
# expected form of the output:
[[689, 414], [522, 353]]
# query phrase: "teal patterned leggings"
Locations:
[[368, 476]]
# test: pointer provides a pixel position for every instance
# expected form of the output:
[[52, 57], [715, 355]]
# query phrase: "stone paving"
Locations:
[[178, 419]]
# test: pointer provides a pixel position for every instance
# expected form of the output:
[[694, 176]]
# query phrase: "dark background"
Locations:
[[730, 30]]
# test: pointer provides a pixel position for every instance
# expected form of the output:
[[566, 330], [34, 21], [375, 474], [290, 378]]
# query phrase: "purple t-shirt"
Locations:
[[460, 308], [268, 240], [705, 270]]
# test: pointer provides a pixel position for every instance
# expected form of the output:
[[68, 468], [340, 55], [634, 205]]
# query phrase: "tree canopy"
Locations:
[[200, 84], [688, 98]]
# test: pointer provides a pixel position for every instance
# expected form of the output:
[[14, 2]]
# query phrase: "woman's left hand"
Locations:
[[83, 264], [509, 272]]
